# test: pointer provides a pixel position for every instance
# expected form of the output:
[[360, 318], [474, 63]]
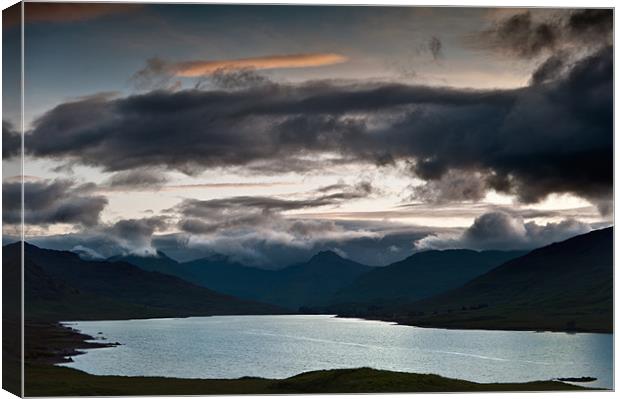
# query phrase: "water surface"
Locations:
[[282, 346]]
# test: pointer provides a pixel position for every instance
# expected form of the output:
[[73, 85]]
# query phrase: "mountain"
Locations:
[[160, 262], [59, 285], [310, 283], [565, 286], [421, 275], [316, 281], [222, 274]]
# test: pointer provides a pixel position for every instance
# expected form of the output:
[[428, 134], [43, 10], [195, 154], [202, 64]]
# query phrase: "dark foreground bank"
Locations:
[[50, 343], [59, 381]]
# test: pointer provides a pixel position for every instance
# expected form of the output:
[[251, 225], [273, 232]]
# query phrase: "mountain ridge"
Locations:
[[564, 286], [61, 285], [421, 275], [296, 285]]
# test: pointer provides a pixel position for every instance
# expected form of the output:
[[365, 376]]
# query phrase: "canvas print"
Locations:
[[205, 199]]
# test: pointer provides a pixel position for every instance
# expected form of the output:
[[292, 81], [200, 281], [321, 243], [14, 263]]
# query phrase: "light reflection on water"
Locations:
[[282, 346]]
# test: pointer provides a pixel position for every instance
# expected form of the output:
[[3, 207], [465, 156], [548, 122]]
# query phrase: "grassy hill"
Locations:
[[562, 286]]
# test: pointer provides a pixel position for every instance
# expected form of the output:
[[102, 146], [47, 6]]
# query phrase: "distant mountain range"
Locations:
[[309, 283], [59, 285], [562, 286], [328, 279]]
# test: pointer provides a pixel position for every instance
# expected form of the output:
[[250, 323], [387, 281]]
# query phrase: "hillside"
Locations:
[[218, 273], [565, 286], [316, 281], [61, 286], [309, 283], [422, 275]]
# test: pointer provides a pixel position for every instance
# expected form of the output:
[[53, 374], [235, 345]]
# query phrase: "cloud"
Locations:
[[281, 242], [552, 137], [11, 140], [241, 78], [524, 36], [135, 235], [127, 236], [208, 67], [591, 25], [66, 12], [225, 74], [157, 74], [453, 186], [273, 250], [137, 179], [123, 237], [257, 184], [554, 66], [252, 227], [519, 35], [48, 202], [247, 212], [87, 253], [501, 230]]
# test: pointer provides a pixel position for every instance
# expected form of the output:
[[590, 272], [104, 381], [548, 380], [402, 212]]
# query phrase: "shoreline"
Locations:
[[441, 326], [395, 321], [63, 342]]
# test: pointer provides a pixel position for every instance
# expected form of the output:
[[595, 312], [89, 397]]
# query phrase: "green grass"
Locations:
[[42, 380]]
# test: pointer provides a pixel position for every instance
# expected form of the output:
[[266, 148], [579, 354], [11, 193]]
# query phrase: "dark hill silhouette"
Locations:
[[159, 263], [61, 286], [217, 272], [562, 286], [317, 280], [422, 275], [309, 283]]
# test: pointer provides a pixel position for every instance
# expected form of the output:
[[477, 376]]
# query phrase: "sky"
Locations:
[[268, 133]]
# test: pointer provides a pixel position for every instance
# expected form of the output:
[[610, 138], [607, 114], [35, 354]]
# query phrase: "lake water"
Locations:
[[282, 346]]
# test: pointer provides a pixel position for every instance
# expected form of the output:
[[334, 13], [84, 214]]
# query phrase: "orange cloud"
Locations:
[[64, 12], [205, 67]]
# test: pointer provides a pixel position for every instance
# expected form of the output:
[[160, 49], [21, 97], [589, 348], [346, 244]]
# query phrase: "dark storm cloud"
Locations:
[[453, 186], [501, 230], [136, 179], [525, 36], [11, 140], [552, 137], [51, 202], [521, 36], [591, 24], [550, 69]]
